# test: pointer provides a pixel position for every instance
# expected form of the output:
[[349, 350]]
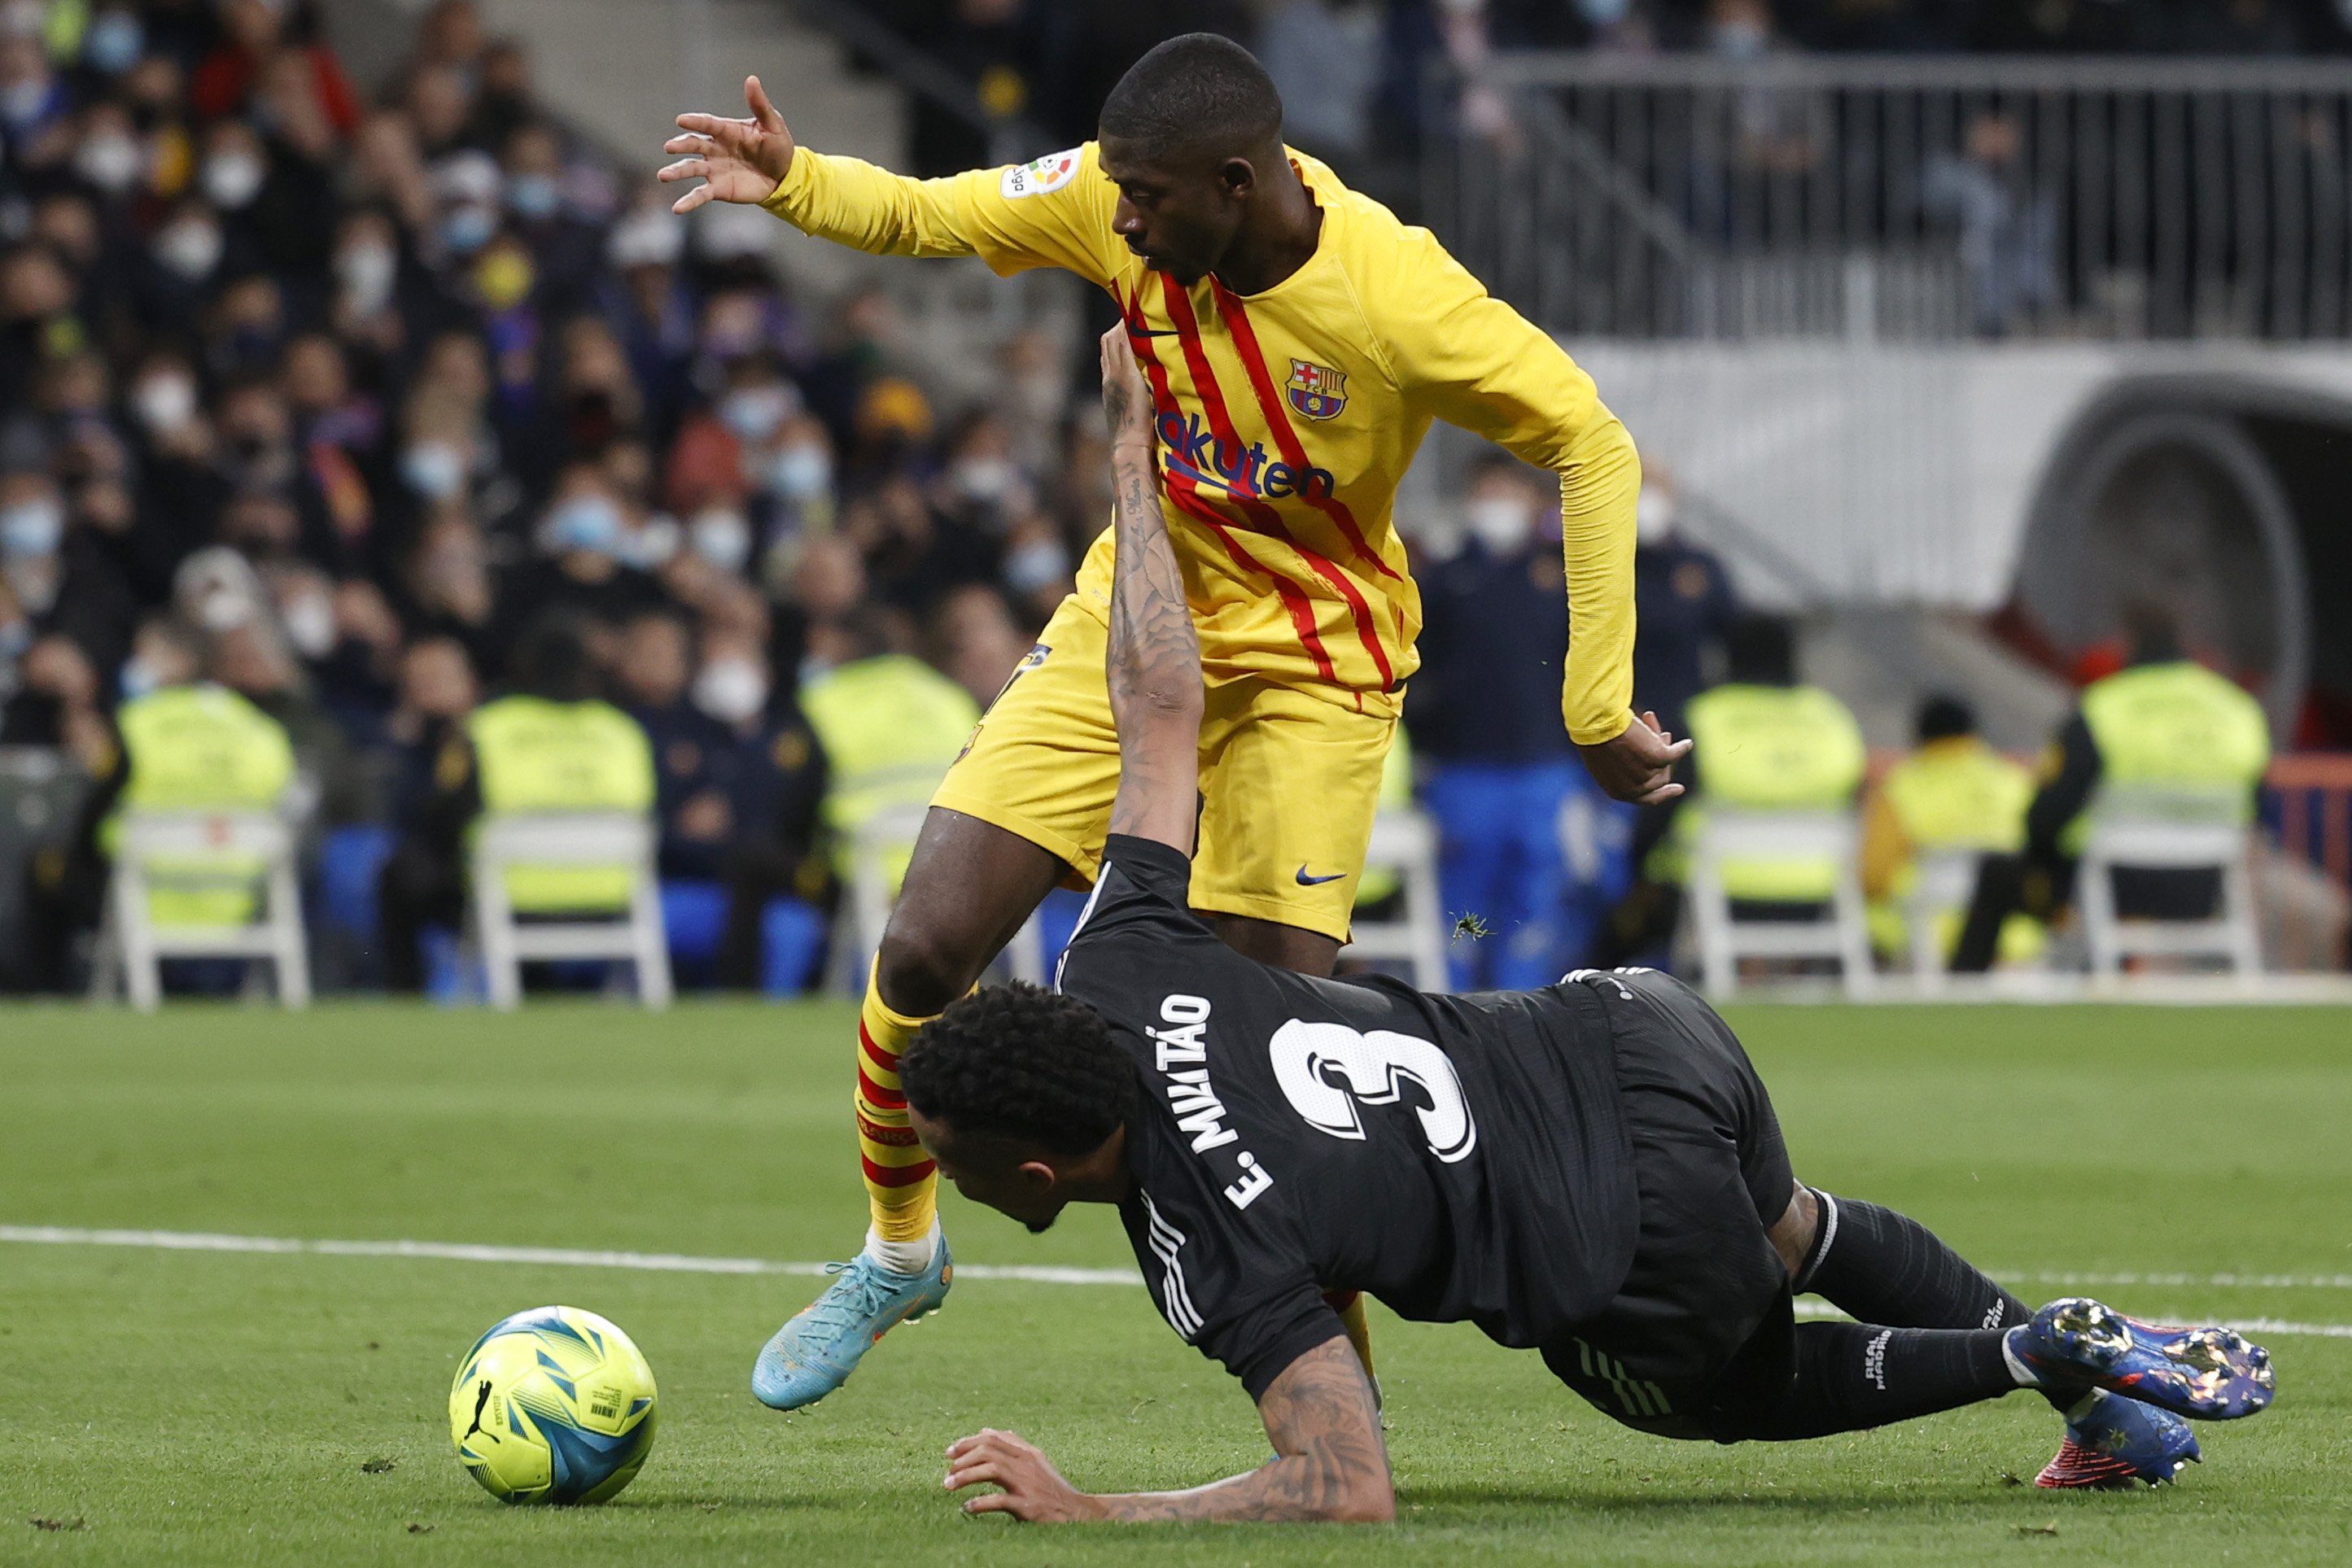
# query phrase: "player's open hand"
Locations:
[[1127, 401], [736, 160], [1033, 1490], [1639, 764]]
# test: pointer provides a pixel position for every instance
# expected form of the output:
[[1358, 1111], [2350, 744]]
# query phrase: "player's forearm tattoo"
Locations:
[[1155, 654], [1330, 1463]]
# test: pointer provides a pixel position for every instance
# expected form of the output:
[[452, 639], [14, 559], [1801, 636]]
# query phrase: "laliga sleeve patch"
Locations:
[[1035, 179]]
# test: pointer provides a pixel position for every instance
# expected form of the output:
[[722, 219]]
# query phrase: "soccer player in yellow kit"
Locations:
[[1297, 340]]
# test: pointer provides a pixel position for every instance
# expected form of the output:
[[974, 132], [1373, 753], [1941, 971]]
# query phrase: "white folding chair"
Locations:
[[875, 852], [2168, 831], [1840, 931], [1405, 841], [169, 851], [1947, 882], [582, 840]]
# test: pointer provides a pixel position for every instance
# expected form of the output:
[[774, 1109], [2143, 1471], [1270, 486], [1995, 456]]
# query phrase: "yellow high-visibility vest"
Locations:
[[891, 727], [1772, 748], [1957, 793], [2174, 727], [200, 748], [536, 757]]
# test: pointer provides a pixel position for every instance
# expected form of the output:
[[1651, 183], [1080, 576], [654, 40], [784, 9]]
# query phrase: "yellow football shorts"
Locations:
[[1288, 781]]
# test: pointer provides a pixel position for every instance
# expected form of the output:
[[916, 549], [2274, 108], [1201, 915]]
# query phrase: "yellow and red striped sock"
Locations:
[[901, 1182]]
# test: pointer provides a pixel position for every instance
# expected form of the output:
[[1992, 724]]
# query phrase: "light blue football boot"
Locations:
[[814, 1353]]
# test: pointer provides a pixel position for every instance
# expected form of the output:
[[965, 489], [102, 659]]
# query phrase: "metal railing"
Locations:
[[1679, 196]]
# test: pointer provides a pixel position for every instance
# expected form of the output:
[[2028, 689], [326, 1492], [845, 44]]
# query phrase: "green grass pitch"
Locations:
[[170, 1407]]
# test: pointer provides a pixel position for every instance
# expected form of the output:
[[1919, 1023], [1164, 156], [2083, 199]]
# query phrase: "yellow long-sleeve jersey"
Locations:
[[1287, 418]]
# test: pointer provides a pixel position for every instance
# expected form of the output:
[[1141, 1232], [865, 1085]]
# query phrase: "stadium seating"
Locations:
[[203, 855], [634, 933], [2176, 831], [1405, 841], [1840, 931]]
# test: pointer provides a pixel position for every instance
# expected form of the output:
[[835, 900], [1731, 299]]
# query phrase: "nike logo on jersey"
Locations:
[[1306, 880]]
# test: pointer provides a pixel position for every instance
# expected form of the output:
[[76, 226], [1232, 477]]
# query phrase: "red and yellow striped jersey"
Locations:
[[1287, 418]]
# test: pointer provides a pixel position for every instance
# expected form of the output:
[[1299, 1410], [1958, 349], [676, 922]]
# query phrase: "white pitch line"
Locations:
[[1812, 1309], [559, 1257], [1041, 1274], [2219, 1281]]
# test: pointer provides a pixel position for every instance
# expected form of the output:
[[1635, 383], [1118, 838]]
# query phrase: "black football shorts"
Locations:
[[1703, 1320]]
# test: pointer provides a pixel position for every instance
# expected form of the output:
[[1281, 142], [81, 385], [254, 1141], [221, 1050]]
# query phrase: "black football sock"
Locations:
[[1851, 1377], [1880, 1267]]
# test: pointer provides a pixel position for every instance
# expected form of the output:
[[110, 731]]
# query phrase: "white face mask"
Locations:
[[32, 527], [191, 248], [233, 179], [433, 469], [983, 479], [1654, 515], [754, 413], [366, 273], [730, 690], [109, 162], [138, 678], [1038, 564], [165, 402], [723, 537], [800, 473], [1498, 522], [311, 625]]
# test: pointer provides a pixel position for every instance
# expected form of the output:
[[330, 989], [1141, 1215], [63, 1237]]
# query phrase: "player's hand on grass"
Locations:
[[1033, 1490], [1639, 764], [737, 159], [1126, 398]]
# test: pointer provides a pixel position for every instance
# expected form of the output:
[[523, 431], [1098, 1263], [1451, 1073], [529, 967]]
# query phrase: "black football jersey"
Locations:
[[1460, 1158]]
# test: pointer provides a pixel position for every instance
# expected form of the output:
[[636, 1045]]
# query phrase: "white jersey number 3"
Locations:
[[1328, 1069]]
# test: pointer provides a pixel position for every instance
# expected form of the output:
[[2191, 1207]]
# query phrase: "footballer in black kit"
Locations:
[[1592, 1171]]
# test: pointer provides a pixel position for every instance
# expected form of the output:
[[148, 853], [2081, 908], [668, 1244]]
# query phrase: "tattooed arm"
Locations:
[[1154, 664], [1329, 1464]]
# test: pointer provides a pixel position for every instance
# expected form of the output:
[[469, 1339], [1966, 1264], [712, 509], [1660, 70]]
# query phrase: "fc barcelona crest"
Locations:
[[1316, 392]]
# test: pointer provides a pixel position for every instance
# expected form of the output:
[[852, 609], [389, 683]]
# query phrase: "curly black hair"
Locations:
[[1022, 1063]]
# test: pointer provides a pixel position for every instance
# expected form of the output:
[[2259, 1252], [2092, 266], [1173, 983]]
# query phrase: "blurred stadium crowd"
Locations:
[[1352, 71], [327, 400], [368, 409]]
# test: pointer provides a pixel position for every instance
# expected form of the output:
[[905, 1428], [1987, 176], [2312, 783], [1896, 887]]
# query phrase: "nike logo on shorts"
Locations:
[[1306, 880]]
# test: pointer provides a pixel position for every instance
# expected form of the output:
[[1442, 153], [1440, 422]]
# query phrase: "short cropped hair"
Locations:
[[1024, 1064], [1196, 91], [1942, 717]]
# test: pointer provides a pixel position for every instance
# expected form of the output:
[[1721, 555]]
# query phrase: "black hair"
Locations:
[[1024, 1064], [1942, 717], [550, 659], [1761, 651], [1196, 91]]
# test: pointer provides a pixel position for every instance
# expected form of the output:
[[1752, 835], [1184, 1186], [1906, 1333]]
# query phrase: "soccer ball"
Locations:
[[553, 1405]]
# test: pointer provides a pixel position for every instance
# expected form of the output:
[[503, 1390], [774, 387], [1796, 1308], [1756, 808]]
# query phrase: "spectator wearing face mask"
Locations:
[[539, 214], [776, 882], [583, 568], [1529, 843], [696, 758], [736, 444]]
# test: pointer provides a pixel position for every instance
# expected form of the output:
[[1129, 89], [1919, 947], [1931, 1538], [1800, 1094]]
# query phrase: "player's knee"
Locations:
[[1794, 1232], [923, 964]]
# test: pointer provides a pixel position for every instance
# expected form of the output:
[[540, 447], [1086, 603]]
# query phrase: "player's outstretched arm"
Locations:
[[754, 160], [1154, 662], [1329, 1464]]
